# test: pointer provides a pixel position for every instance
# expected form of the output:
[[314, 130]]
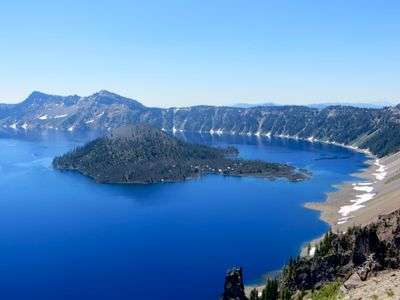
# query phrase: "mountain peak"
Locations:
[[38, 97], [36, 94], [105, 93], [108, 97]]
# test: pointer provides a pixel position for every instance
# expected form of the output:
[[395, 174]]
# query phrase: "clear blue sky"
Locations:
[[175, 53]]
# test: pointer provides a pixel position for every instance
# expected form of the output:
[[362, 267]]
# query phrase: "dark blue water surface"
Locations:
[[62, 236]]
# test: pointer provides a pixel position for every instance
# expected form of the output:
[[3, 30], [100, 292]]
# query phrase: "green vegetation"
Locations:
[[285, 294], [386, 140], [325, 246], [254, 295], [327, 292], [375, 129], [270, 292], [143, 154], [338, 255], [390, 293]]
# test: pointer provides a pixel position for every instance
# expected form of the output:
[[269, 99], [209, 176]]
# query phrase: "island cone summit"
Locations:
[[144, 154]]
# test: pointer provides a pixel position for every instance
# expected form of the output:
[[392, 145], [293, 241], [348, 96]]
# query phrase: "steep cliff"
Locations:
[[360, 252], [375, 129], [343, 265], [234, 288]]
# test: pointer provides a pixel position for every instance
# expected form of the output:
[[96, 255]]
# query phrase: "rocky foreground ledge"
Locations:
[[384, 285], [363, 263]]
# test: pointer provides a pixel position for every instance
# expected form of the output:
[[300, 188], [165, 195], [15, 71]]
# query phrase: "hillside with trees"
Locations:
[[377, 130], [341, 263], [144, 154]]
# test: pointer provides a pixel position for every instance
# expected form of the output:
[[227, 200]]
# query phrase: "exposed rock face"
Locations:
[[355, 255], [366, 242], [375, 129], [383, 285], [234, 288]]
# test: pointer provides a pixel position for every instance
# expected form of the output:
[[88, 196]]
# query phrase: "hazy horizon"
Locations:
[[185, 53], [239, 103]]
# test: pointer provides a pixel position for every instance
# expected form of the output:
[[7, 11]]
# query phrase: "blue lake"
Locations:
[[62, 236]]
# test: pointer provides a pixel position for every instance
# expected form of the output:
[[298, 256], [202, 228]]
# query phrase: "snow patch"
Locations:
[[381, 171], [363, 183], [367, 189], [60, 116], [357, 204]]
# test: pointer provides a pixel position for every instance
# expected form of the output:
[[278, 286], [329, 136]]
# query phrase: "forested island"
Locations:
[[144, 154]]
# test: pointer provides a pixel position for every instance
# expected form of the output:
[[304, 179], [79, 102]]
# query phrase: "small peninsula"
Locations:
[[143, 154]]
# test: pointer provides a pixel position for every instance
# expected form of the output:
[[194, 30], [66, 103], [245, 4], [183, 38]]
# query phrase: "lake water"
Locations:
[[62, 236]]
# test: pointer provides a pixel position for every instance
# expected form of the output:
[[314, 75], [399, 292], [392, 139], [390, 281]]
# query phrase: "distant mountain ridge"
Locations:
[[321, 105], [375, 129], [353, 104], [248, 105]]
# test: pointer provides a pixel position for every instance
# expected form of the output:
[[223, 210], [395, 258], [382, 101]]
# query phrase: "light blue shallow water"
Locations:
[[62, 236]]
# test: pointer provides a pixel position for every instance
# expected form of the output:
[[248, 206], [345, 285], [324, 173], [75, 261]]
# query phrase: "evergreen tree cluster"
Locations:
[[339, 254], [271, 292], [144, 154]]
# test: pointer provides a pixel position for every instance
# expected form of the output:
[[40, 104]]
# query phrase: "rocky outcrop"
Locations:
[[351, 256], [366, 243], [382, 285], [360, 275], [359, 258], [234, 288]]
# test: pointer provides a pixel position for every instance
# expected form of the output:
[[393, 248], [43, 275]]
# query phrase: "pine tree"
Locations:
[[270, 291], [285, 294], [254, 295]]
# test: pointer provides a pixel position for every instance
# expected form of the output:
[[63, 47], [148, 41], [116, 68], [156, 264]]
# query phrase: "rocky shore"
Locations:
[[366, 200], [342, 265]]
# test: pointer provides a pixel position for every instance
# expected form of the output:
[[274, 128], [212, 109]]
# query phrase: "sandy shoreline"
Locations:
[[375, 191], [359, 202]]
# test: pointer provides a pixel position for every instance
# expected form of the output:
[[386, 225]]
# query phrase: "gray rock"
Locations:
[[234, 288]]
